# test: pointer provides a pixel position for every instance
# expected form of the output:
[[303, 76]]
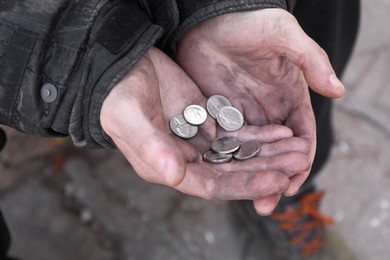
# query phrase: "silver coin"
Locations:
[[182, 128], [230, 118], [225, 144], [195, 115], [215, 103], [248, 150], [213, 157]]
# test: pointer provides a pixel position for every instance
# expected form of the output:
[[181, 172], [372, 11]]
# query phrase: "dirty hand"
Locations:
[[136, 113], [262, 60]]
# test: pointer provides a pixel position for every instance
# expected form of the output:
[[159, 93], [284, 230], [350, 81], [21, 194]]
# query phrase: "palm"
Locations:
[[242, 56], [143, 103], [135, 115]]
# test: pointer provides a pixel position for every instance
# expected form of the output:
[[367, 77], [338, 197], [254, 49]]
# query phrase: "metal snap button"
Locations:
[[49, 93]]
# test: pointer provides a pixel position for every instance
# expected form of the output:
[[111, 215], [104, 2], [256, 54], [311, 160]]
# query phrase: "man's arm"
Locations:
[[59, 59]]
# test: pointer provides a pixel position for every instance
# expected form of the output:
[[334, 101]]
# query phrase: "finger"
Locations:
[[296, 182], [177, 90], [203, 181], [290, 163], [145, 170], [306, 54], [265, 206], [151, 146], [142, 169], [266, 134], [293, 144], [302, 122]]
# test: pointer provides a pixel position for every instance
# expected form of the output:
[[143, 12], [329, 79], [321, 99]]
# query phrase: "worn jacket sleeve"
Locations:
[[194, 12], [60, 58]]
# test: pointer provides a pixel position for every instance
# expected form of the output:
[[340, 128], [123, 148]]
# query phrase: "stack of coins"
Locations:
[[223, 149], [226, 148]]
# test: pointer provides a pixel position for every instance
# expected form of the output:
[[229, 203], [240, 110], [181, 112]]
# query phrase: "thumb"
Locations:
[[152, 153], [160, 153], [308, 56]]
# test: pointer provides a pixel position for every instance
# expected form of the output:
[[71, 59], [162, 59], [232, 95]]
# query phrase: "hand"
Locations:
[[135, 116], [256, 59]]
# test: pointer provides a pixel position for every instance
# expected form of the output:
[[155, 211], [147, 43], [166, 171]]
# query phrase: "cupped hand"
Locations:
[[136, 113], [262, 60]]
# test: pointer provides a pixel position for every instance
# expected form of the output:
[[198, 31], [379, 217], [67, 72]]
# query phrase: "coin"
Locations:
[[212, 157], [225, 144], [215, 103], [248, 150], [230, 118], [181, 128], [195, 115]]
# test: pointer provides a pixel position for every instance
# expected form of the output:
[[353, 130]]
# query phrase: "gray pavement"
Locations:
[[63, 203]]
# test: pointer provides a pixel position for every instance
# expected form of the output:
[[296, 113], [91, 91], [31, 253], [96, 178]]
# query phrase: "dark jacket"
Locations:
[[60, 58]]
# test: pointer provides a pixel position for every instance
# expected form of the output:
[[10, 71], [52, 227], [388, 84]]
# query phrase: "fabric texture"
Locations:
[[195, 12], [81, 48]]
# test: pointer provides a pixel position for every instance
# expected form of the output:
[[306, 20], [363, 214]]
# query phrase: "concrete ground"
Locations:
[[62, 203]]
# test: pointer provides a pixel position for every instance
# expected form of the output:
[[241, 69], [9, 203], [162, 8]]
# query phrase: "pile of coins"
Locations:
[[223, 149], [226, 148]]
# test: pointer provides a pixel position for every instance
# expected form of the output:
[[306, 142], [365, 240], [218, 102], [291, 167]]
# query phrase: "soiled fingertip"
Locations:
[[266, 206], [280, 131], [264, 210], [291, 193]]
